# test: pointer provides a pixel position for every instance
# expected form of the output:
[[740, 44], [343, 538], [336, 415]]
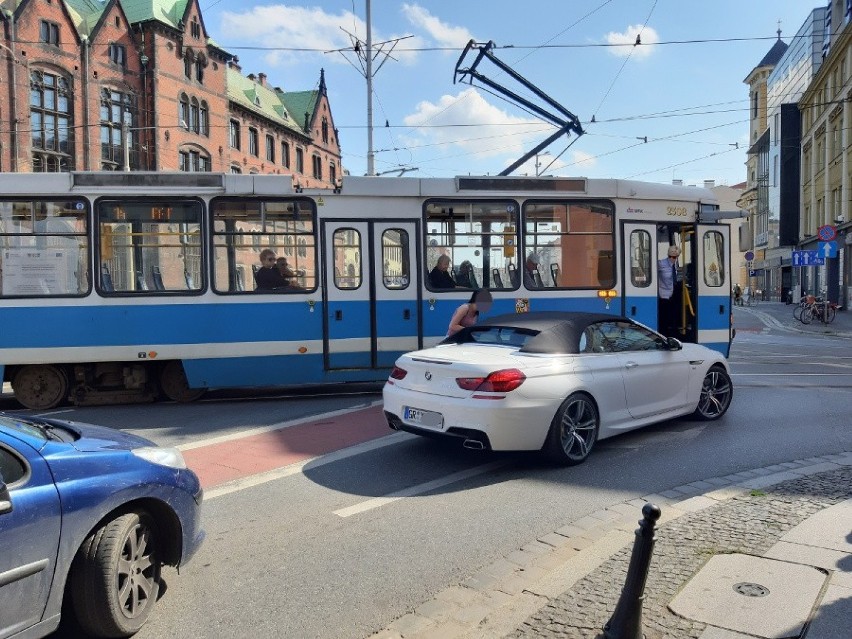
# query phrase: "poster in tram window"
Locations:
[[29, 271]]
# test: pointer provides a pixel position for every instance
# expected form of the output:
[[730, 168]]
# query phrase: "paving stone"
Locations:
[[410, 624], [436, 610]]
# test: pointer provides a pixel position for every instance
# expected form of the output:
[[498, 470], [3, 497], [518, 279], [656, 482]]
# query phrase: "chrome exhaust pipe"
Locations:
[[474, 444]]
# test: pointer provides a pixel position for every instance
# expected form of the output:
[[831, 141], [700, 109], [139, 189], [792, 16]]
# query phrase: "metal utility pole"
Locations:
[[366, 52]]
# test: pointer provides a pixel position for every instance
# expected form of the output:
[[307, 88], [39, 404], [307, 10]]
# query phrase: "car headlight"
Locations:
[[170, 457]]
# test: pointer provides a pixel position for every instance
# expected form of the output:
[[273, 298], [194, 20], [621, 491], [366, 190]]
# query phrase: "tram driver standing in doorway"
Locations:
[[666, 282]]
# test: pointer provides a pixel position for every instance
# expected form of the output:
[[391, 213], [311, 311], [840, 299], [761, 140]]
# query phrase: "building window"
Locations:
[[316, 166], [118, 54], [117, 109], [285, 154], [52, 119], [194, 115], [49, 32], [325, 130], [199, 70], [253, 142], [270, 148], [183, 111], [332, 172], [235, 135], [195, 29], [187, 66], [204, 119], [193, 161], [754, 104], [300, 161]]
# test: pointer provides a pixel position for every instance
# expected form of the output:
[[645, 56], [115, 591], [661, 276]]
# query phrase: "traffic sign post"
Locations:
[[808, 258]]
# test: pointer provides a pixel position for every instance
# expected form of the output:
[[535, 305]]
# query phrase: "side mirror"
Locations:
[[674, 344]]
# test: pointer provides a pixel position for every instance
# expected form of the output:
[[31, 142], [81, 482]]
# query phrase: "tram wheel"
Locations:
[[174, 385], [40, 386]]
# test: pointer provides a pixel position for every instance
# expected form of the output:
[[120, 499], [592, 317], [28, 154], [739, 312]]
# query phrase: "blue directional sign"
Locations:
[[808, 258], [827, 249]]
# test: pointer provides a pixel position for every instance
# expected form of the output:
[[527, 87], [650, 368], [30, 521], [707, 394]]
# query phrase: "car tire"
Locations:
[[573, 431], [717, 390], [115, 576]]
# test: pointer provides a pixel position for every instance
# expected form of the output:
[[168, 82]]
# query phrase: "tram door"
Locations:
[[370, 292], [639, 282], [712, 280]]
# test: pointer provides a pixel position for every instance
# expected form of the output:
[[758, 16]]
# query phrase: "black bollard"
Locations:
[[626, 621]]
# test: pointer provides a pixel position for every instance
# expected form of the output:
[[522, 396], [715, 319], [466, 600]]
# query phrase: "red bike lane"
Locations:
[[222, 462]]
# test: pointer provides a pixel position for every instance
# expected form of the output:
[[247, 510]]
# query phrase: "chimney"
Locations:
[[251, 77], [677, 182], [709, 184], [261, 79]]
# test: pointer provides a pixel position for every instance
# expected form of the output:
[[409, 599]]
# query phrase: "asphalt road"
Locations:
[[349, 543]]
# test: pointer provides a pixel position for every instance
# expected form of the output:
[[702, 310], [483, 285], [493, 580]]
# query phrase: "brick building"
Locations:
[[140, 84]]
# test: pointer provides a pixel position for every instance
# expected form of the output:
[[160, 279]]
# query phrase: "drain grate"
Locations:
[[749, 589]]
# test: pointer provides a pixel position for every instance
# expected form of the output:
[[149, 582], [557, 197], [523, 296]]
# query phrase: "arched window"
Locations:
[[194, 160], [51, 113], [187, 65], [194, 115], [199, 70], [204, 119], [183, 111], [325, 130], [117, 109]]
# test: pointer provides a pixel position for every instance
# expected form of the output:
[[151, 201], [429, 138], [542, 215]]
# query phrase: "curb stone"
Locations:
[[521, 600]]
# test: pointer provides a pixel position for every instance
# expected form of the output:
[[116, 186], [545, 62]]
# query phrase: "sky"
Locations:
[[674, 107]]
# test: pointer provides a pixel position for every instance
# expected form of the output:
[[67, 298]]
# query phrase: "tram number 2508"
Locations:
[[676, 211]]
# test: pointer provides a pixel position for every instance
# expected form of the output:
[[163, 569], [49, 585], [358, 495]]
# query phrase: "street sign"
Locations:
[[752, 273], [827, 249], [749, 256], [827, 232], [807, 258]]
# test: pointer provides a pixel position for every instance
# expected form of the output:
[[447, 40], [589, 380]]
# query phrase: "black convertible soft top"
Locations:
[[555, 331]]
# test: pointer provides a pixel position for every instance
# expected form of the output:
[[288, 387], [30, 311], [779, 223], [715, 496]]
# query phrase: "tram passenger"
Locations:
[[531, 270], [285, 270], [268, 277], [667, 279], [466, 276], [439, 276]]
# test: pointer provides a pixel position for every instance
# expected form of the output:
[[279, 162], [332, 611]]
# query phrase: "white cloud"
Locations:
[[308, 28], [444, 34], [628, 39], [468, 122]]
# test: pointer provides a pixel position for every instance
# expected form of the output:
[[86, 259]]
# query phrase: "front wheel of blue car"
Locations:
[[115, 577]]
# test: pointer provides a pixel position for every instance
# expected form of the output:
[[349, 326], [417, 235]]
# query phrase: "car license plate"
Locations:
[[420, 417]]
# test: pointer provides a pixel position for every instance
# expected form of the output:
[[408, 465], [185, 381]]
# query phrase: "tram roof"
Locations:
[[486, 187]]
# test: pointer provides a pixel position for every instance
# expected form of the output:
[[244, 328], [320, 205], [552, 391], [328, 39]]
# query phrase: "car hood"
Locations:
[[92, 438]]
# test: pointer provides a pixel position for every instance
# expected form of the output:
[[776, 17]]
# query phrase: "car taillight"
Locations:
[[497, 382], [398, 373]]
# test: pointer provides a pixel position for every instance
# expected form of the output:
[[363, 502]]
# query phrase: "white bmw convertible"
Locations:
[[555, 382]]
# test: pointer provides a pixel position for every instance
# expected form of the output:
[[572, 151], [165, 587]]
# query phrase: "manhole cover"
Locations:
[[751, 590]]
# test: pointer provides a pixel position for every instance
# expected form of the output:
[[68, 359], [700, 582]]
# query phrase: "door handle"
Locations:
[[633, 310], [406, 314], [631, 365], [338, 316], [721, 309]]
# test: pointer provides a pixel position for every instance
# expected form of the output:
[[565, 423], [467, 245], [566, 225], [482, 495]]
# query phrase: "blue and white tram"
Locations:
[[122, 287]]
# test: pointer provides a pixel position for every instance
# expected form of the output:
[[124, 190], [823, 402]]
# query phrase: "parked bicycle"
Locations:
[[823, 310], [804, 302]]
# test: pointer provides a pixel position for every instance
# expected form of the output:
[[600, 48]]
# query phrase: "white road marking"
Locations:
[[265, 429], [791, 374], [419, 489], [299, 467]]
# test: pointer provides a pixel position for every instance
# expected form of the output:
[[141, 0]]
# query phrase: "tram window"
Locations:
[[243, 228], [44, 248], [714, 263], [480, 238], [572, 238], [395, 267], [640, 258], [347, 259], [149, 247]]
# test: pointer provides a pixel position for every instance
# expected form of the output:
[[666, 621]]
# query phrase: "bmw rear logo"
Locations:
[[428, 376]]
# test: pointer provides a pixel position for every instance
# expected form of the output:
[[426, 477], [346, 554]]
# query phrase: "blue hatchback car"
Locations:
[[88, 516]]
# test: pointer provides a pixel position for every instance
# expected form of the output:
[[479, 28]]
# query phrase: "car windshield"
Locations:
[[33, 429], [500, 335]]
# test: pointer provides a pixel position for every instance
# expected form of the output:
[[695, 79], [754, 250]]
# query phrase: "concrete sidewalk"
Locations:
[[779, 316], [762, 553]]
